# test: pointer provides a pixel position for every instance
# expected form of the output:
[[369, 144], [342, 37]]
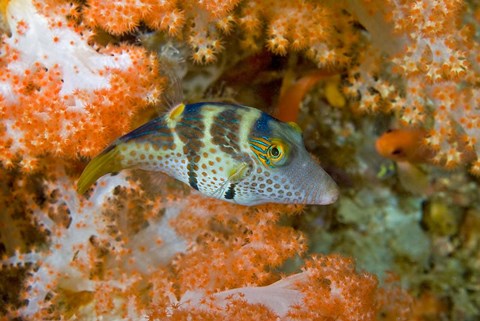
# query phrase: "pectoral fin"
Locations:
[[238, 173]]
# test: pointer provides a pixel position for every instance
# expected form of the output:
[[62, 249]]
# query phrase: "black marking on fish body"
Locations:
[[225, 131], [230, 193], [192, 176], [191, 130]]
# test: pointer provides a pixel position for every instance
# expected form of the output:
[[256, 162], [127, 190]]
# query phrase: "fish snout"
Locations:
[[317, 186], [328, 192]]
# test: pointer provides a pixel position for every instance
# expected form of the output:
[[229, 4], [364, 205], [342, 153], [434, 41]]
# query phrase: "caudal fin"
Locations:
[[107, 162]]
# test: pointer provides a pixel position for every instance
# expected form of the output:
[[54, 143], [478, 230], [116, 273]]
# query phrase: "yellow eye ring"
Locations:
[[270, 152], [276, 152]]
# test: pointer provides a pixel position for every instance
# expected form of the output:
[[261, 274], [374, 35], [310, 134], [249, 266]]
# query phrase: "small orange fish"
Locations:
[[407, 148], [405, 145]]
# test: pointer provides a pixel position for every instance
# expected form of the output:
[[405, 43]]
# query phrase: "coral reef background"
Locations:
[[401, 243]]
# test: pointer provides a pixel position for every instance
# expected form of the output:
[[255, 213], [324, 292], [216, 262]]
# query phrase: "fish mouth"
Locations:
[[326, 195], [316, 186]]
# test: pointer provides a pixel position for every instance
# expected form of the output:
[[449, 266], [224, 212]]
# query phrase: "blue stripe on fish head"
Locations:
[[263, 125]]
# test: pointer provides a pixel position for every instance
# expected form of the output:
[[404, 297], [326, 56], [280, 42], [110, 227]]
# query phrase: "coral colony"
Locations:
[[401, 242]]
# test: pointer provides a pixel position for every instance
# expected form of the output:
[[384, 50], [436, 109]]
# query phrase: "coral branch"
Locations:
[[56, 89], [436, 61]]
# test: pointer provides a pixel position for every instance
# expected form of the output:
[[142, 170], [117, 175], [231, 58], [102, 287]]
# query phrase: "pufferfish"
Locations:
[[225, 151]]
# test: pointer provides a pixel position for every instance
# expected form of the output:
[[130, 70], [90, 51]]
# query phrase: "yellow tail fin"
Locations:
[[106, 162]]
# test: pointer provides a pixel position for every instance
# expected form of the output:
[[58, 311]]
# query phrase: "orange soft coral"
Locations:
[[241, 242], [126, 253], [327, 278], [323, 31], [329, 288], [434, 54], [119, 17], [60, 96], [202, 21]]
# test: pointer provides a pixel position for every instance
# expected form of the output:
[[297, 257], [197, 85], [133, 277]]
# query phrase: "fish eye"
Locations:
[[397, 151], [275, 152]]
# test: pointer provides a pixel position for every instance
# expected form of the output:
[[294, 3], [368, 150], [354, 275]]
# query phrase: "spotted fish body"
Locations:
[[230, 152]]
